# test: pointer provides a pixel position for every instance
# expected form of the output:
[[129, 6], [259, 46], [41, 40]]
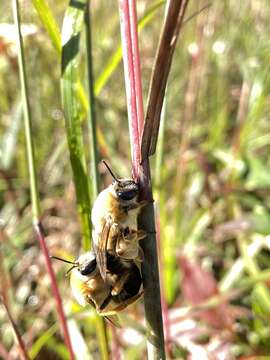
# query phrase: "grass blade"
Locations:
[[71, 32], [91, 112], [48, 22], [75, 18], [27, 117], [41, 341]]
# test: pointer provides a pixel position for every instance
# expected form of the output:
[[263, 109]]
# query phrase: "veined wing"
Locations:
[[100, 247]]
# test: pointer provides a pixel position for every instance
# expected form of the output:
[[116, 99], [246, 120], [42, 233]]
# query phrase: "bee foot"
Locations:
[[143, 203], [141, 234], [140, 256]]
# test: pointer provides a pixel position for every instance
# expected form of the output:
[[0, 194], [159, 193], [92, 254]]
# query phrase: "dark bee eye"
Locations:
[[127, 195], [88, 268]]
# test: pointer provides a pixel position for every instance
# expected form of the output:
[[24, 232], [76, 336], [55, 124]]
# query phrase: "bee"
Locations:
[[120, 288], [114, 218]]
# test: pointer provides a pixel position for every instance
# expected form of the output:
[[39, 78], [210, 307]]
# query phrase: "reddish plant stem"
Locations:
[[141, 173], [136, 66], [124, 12], [21, 346], [41, 238]]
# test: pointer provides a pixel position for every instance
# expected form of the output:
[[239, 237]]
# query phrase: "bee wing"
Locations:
[[129, 301], [100, 248]]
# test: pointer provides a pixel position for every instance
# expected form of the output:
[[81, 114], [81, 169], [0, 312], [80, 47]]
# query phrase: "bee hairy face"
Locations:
[[126, 189]]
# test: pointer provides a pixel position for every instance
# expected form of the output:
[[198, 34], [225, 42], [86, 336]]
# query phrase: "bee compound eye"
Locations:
[[88, 268], [127, 195]]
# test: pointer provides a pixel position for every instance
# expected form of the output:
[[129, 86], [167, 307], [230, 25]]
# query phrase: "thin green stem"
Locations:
[[91, 110], [102, 338], [91, 117], [27, 117]]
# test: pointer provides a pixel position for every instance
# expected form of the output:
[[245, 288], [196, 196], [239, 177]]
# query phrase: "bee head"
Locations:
[[87, 264], [124, 189]]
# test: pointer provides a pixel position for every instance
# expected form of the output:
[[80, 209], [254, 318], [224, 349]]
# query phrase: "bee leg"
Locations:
[[127, 246], [137, 206], [131, 234], [141, 234], [143, 203], [140, 256], [113, 238], [119, 285]]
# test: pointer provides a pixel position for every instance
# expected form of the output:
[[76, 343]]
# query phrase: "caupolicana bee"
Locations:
[[120, 288], [114, 218]]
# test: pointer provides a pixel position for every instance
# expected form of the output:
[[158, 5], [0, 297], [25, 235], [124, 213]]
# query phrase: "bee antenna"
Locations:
[[72, 267], [64, 260], [110, 170]]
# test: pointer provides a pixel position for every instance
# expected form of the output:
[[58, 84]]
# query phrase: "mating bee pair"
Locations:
[[109, 277]]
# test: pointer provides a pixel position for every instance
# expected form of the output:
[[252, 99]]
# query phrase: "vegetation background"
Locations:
[[211, 178]]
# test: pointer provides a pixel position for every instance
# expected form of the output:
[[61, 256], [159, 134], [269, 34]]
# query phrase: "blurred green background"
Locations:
[[211, 178]]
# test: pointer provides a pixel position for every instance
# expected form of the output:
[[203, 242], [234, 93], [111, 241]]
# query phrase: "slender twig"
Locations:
[[33, 178], [27, 116], [100, 323], [55, 290]]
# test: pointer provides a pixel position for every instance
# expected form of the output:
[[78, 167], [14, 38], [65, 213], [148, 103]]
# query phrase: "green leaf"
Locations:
[[71, 33], [48, 21], [42, 340]]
